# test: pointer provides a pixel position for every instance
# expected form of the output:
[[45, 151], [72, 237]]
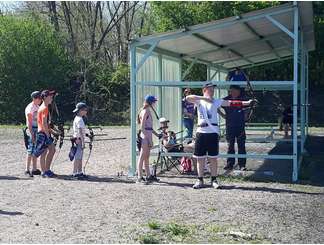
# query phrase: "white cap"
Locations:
[[163, 120]]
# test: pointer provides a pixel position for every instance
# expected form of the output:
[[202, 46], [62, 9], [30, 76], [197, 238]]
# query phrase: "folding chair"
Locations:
[[166, 162]]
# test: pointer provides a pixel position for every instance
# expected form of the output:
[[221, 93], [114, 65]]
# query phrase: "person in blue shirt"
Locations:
[[235, 128], [237, 75], [188, 111]]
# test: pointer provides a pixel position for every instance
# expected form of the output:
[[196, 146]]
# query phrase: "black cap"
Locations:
[[207, 85], [46, 93], [80, 106], [36, 95], [237, 87]]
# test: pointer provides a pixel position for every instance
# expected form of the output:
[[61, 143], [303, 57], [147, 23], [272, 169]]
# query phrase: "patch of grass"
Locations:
[[148, 239], [214, 228], [153, 225], [176, 229], [212, 209]]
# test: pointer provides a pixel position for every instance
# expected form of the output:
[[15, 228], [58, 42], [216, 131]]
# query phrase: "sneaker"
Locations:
[[228, 167], [28, 173], [199, 184], [141, 181], [215, 184], [48, 174], [152, 178], [51, 173], [36, 172], [243, 168]]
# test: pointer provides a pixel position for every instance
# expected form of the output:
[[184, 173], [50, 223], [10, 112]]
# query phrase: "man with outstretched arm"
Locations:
[[207, 137]]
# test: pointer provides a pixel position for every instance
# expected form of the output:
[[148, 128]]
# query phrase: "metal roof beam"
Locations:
[[252, 56], [260, 37], [278, 35]]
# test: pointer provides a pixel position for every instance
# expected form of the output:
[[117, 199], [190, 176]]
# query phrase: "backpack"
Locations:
[[186, 163]]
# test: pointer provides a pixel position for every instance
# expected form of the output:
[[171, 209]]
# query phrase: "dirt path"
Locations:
[[108, 209]]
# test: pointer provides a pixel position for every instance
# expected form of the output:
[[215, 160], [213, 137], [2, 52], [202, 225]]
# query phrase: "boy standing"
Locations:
[[44, 146], [31, 123], [79, 135], [207, 137]]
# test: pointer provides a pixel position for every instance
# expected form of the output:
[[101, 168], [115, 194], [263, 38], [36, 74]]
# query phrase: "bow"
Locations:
[[251, 94], [57, 128], [91, 139]]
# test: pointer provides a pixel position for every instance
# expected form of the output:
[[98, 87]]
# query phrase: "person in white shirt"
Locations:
[[31, 124], [79, 135], [207, 136]]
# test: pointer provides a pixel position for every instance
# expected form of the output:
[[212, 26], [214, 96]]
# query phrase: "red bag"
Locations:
[[186, 164]]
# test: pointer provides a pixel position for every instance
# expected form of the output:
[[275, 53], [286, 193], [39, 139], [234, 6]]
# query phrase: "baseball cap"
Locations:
[[163, 120], [36, 95], [209, 84], [79, 106], [150, 99], [46, 93]]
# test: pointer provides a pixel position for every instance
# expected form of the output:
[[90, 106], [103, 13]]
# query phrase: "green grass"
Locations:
[[148, 239], [177, 232], [8, 126], [212, 209], [153, 225], [176, 229]]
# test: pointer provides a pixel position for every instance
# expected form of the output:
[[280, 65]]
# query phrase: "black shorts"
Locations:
[[207, 144]]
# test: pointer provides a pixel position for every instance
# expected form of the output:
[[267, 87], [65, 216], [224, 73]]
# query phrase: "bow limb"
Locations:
[[91, 139]]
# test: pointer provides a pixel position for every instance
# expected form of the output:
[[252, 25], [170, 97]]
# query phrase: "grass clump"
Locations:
[[176, 229], [153, 225], [148, 239]]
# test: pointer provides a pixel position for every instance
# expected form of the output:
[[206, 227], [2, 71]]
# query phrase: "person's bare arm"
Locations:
[[46, 126], [30, 126], [195, 98]]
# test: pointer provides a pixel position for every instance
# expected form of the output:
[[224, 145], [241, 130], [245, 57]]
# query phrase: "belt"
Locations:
[[148, 128], [204, 125]]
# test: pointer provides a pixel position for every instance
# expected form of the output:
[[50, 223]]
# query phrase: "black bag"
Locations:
[[139, 140]]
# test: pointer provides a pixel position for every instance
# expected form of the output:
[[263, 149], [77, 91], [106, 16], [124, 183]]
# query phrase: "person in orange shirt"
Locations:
[[44, 143]]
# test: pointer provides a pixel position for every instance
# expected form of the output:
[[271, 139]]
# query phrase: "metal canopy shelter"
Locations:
[[252, 39]]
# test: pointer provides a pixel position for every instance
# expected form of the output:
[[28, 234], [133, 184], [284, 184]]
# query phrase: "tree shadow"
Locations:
[[91, 178], [2, 212], [267, 189], [14, 178]]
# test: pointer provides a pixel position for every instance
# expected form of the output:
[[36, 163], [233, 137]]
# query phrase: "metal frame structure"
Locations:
[[299, 85]]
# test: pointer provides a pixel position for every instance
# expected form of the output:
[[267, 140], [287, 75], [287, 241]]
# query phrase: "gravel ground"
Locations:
[[111, 209]]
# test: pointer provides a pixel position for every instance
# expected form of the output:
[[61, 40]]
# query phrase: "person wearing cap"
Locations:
[[235, 128], [188, 110], [31, 124], [45, 147], [145, 121], [79, 135], [169, 139], [207, 137]]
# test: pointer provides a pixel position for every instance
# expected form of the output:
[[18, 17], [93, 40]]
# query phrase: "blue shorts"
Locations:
[[31, 145], [42, 143]]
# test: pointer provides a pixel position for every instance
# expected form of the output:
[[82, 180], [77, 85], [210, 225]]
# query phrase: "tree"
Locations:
[[31, 58]]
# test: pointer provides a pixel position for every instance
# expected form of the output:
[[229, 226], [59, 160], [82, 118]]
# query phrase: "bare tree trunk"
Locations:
[[53, 14], [67, 16]]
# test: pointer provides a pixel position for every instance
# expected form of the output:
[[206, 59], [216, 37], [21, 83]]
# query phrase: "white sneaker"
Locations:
[[199, 184], [215, 184]]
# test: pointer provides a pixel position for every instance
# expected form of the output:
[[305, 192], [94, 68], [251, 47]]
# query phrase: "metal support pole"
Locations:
[[180, 125], [295, 96], [307, 93], [160, 102], [133, 74], [302, 94]]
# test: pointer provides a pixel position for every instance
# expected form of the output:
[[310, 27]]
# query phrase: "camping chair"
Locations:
[[166, 162]]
